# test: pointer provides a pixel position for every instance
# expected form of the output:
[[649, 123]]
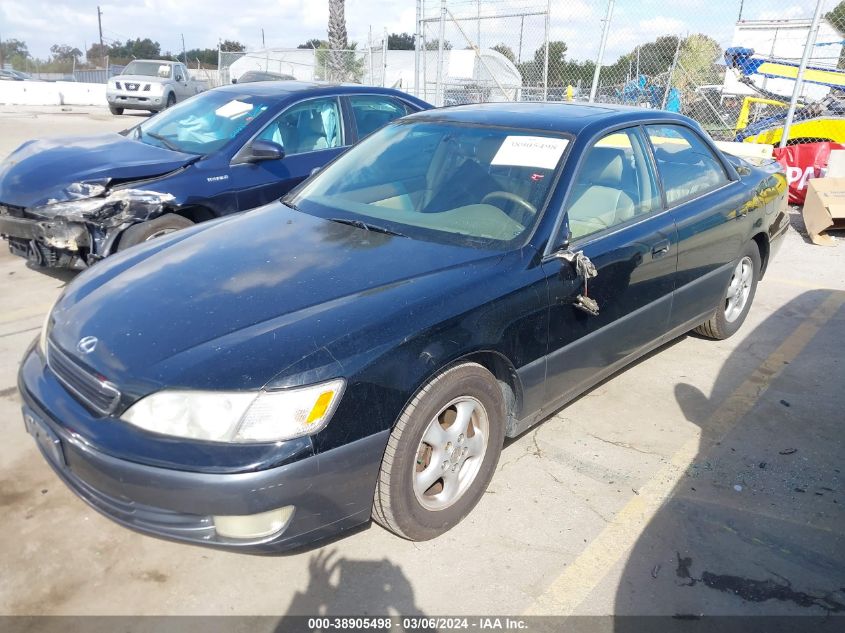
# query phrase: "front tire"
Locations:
[[151, 229], [731, 311], [171, 101], [441, 454], [115, 111]]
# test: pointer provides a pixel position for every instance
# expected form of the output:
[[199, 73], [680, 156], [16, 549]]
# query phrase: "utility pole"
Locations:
[[184, 54], [100, 25], [799, 79], [263, 45], [605, 30]]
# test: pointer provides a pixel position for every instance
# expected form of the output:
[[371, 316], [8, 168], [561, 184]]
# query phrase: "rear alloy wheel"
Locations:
[[151, 229], [441, 454], [732, 310]]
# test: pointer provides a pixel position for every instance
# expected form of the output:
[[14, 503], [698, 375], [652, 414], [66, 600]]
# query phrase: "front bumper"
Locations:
[[331, 491], [51, 243], [136, 101]]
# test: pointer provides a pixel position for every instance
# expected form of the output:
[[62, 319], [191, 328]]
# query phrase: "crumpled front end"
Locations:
[[78, 231]]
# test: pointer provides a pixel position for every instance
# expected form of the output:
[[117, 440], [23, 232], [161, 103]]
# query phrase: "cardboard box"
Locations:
[[824, 208]]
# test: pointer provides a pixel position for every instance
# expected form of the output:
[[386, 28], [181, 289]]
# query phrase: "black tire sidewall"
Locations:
[[415, 521], [171, 101], [140, 233], [729, 328]]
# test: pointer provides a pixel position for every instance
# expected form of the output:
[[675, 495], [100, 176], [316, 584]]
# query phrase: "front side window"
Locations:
[[686, 164], [201, 124], [373, 112], [309, 126], [614, 184], [442, 181]]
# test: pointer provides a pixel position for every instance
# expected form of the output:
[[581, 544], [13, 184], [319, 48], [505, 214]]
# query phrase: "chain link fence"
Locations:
[[644, 53]]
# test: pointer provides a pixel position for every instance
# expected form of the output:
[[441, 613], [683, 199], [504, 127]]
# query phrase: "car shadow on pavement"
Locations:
[[754, 523], [345, 587]]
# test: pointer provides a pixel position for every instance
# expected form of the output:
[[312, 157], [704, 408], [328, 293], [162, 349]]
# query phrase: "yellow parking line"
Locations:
[[579, 579]]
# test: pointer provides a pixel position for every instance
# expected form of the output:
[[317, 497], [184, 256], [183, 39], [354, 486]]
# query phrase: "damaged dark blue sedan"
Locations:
[[363, 347], [70, 202]]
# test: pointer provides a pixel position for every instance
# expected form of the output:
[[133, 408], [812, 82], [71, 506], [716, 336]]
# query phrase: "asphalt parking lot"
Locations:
[[706, 478]]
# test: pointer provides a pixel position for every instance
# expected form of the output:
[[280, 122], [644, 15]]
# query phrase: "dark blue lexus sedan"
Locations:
[[69, 202], [363, 347]]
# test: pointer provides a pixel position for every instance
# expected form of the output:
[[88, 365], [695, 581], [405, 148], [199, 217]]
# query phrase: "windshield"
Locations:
[[148, 69], [464, 184], [202, 124]]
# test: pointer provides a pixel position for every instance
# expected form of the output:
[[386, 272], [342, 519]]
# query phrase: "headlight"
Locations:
[[266, 416]]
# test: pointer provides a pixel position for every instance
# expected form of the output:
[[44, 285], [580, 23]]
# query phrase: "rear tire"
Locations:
[[731, 311], [151, 229], [451, 435], [115, 111]]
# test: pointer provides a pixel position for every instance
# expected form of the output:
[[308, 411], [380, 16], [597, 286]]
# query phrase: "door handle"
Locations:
[[660, 249]]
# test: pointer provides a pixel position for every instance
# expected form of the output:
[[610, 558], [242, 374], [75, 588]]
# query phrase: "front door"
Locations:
[[615, 215], [311, 133]]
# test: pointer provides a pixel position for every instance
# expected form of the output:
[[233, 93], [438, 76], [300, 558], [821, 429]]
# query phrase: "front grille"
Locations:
[[132, 87], [98, 395]]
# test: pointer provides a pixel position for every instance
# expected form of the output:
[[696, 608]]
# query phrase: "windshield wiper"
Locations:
[[290, 205], [375, 228], [159, 137]]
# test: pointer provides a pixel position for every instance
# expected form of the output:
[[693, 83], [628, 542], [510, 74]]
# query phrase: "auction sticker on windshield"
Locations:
[[233, 109], [530, 151]]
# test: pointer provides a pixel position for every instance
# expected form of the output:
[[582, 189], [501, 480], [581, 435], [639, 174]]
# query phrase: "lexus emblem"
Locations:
[[87, 344]]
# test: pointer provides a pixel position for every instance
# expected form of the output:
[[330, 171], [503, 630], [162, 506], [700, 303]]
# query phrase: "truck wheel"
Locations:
[[171, 101], [115, 110], [151, 229], [739, 294], [441, 454]]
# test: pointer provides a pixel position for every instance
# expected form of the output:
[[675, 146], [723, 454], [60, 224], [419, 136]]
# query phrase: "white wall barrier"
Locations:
[[52, 93]]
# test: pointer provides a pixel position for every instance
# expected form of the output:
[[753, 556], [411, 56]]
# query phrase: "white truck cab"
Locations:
[[151, 84]]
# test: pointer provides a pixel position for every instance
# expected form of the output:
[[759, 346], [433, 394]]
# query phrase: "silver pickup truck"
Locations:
[[151, 84]]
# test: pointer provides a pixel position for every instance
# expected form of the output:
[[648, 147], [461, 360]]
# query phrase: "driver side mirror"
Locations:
[[178, 77], [265, 150]]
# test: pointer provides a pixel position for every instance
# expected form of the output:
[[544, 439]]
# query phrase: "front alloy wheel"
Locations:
[[442, 453]]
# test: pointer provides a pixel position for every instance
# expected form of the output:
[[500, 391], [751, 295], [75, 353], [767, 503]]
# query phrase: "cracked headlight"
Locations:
[[264, 416], [71, 208]]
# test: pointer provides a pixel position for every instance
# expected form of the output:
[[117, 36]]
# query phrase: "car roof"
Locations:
[[286, 87], [572, 118]]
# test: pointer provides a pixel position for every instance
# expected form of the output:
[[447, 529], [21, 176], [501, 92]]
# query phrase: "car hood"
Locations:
[[44, 171], [230, 303]]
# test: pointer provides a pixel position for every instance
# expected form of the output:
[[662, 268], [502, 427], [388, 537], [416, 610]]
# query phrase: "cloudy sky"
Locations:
[[286, 23]]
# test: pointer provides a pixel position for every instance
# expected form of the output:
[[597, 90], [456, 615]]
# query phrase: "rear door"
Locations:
[[705, 200], [615, 215], [312, 132], [372, 112]]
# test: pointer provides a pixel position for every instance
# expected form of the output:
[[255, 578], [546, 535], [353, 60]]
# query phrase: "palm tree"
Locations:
[[337, 37]]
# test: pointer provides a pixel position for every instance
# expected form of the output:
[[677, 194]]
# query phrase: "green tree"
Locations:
[[314, 43], [232, 46], [65, 53], [505, 50], [13, 52], [400, 42], [557, 59], [433, 45]]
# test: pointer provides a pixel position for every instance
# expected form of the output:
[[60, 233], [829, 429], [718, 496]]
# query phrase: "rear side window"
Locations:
[[614, 184], [374, 112], [687, 166]]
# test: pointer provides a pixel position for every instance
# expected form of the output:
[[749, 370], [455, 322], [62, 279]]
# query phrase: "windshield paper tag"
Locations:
[[530, 151], [233, 109]]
